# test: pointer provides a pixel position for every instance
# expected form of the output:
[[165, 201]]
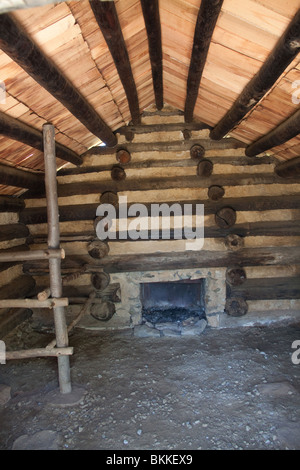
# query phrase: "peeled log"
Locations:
[[118, 173], [98, 249], [100, 280], [234, 242], [205, 168], [236, 307], [215, 192], [104, 311], [235, 276], [123, 156], [225, 217], [109, 197], [197, 152]]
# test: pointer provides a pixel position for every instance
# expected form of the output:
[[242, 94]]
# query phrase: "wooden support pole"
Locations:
[[38, 352], [34, 303], [20, 48], [152, 23], [108, 21], [285, 131], [206, 22], [289, 168], [282, 55], [28, 135], [55, 264], [31, 255]]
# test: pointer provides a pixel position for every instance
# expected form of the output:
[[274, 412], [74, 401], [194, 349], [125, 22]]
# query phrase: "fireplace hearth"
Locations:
[[172, 301]]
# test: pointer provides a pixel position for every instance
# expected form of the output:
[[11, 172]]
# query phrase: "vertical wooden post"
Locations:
[[61, 332]]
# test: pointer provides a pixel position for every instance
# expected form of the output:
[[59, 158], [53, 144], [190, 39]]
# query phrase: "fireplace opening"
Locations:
[[172, 302]]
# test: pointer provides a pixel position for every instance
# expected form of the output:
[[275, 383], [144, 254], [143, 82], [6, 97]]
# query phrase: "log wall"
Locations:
[[161, 169], [13, 282]]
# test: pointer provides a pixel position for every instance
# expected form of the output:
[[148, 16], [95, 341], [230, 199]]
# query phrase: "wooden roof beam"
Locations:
[[206, 22], [17, 130], [10, 176], [289, 168], [282, 55], [152, 23], [20, 48], [287, 130], [107, 18]]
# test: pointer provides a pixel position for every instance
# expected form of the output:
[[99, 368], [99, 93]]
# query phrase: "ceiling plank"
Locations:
[[107, 18], [153, 27], [285, 131], [20, 48], [282, 55], [206, 21], [288, 169], [17, 130]]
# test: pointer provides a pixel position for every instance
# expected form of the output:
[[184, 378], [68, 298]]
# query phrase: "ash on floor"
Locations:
[[225, 389]]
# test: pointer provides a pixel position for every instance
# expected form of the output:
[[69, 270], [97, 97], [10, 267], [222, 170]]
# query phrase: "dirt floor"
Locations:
[[225, 389]]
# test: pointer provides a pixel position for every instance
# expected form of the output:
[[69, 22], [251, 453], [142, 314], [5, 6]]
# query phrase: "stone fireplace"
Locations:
[[203, 291], [172, 301]]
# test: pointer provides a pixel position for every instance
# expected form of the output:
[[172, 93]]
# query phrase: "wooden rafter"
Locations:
[[19, 178], [282, 55], [206, 21], [107, 18], [285, 131], [288, 169], [17, 130], [152, 23], [20, 48]]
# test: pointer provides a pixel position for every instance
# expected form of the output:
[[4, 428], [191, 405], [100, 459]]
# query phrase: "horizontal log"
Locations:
[[289, 228], [167, 127], [9, 320], [147, 184], [289, 168], [38, 215], [22, 285], [11, 204], [33, 303], [157, 163], [31, 255], [17, 130], [38, 352], [179, 145], [13, 249], [266, 256], [10, 176], [267, 288], [13, 231]]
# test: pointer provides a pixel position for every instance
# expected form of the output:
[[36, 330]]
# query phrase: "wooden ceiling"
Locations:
[[209, 56]]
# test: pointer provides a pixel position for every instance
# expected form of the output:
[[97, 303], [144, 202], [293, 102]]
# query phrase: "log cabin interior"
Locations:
[[180, 103]]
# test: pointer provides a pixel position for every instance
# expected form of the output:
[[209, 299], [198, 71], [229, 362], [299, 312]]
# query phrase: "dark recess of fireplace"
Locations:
[[172, 301]]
